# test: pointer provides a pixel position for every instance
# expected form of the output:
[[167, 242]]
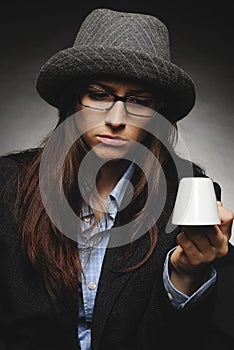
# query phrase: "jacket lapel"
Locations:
[[66, 311], [112, 281]]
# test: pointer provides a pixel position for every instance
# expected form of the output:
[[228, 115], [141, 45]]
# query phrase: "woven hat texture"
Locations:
[[122, 45]]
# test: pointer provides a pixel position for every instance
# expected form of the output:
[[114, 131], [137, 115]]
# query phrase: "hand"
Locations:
[[198, 247]]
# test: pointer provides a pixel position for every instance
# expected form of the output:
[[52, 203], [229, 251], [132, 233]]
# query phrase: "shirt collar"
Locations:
[[119, 190], [117, 194]]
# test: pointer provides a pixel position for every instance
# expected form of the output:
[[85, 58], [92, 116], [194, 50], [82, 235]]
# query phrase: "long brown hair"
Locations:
[[49, 250]]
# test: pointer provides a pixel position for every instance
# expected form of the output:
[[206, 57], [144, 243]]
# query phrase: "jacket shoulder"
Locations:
[[11, 166], [11, 162], [8, 168]]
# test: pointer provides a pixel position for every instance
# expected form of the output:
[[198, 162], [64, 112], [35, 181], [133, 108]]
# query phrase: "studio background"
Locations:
[[201, 43]]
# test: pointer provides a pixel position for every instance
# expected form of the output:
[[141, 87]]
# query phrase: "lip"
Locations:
[[112, 140]]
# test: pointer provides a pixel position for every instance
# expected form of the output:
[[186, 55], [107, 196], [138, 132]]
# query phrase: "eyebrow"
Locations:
[[113, 90]]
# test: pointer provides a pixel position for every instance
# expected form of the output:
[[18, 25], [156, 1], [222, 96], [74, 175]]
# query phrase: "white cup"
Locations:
[[196, 203]]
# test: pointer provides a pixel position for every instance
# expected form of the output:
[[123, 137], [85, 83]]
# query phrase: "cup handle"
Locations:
[[217, 189]]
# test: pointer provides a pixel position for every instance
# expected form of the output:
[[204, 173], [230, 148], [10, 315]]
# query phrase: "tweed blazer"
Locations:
[[132, 309]]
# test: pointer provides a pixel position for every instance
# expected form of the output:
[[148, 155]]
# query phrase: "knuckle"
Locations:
[[198, 260], [222, 251], [198, 237], [194, 260], [194, 263], [210, 258], [229, 215]]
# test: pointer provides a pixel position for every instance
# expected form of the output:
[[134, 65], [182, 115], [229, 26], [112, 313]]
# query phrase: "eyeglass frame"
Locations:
[[116, 99]]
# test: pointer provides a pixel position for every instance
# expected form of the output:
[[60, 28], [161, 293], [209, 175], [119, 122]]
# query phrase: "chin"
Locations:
[[110, 154]]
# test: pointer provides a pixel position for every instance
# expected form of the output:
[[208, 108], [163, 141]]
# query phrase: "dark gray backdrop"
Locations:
[[202, 43]]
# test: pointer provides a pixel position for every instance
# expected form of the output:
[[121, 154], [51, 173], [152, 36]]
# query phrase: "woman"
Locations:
[[90, 262]]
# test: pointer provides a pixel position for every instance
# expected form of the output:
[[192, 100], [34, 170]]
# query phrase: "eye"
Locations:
[[98, 95], [142, 101]]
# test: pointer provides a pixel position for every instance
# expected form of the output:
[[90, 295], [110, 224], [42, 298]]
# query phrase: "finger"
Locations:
[[218, 240], [192, 254], [206, 238], [226, 215], [198, 235], [179, 255], [226, 218], [209, 240]]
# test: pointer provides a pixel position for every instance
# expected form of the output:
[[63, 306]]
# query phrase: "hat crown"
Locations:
[[129, 31], [120, 45]]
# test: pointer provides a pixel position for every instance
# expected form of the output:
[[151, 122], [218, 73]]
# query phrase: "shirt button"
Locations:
[[87, 219], [92, 285], [170, 296]]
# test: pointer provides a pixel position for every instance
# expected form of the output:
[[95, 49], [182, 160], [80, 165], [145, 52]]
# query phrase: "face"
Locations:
[[114, 131]]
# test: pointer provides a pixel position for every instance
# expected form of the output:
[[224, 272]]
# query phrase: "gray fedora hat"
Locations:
[[117, 44]]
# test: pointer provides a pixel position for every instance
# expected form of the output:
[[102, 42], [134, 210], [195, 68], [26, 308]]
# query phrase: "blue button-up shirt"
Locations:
[[92, 259]]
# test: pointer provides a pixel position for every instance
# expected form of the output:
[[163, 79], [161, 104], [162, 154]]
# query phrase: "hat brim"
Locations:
[[176, 86]]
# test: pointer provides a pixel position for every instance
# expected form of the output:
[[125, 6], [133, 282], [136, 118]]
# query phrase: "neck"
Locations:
[[109, 174]]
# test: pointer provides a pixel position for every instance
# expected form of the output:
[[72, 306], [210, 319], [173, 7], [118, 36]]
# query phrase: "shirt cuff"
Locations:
[[179, 299]]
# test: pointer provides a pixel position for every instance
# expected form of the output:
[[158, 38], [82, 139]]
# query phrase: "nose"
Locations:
[[116, 116]]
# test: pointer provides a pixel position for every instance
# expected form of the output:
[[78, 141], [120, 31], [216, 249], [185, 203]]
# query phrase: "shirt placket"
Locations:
[[92, 263]]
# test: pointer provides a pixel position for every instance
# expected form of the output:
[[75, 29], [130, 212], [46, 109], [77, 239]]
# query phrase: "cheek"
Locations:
[[88, 140], [142, 135], [138, 129], [137, 134]]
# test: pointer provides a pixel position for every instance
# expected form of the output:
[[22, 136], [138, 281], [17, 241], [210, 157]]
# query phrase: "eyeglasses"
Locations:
[[102, 100]]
